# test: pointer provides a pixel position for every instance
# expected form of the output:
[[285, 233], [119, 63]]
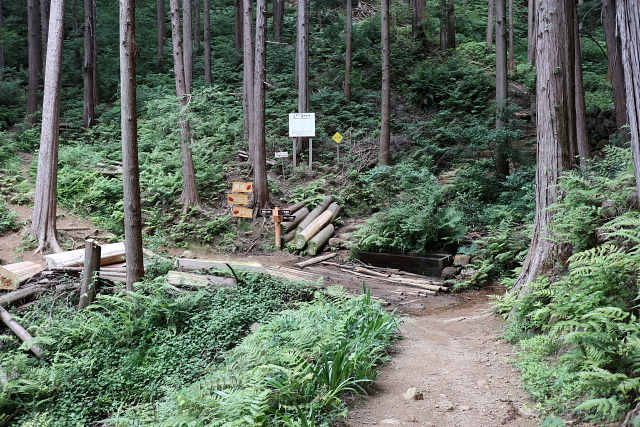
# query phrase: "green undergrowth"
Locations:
[[129, 349]]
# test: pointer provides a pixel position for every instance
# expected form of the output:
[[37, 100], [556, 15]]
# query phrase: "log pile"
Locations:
[[311, 230]]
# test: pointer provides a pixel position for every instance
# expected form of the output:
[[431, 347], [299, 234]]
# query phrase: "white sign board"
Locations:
[[282, 154], [302, 125]]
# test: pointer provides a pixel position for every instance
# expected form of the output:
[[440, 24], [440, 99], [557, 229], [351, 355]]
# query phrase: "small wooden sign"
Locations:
[[237, 199], [282, 154], [241, 212], [266, 212], [288, 218], [242, 187]]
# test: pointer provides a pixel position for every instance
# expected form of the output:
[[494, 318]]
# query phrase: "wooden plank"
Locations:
[[315, 260], [237, 199], [242, 187], [186, 264], [12, 275], [179, 278], [111, 254], [242, 212]]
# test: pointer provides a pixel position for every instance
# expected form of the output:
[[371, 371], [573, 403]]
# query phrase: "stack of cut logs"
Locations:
[[312, 230]]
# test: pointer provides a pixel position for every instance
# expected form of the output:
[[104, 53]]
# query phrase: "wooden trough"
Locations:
[[425, 264]]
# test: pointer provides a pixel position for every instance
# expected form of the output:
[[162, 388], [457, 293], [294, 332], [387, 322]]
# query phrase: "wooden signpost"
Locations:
[[239, 199], [279, 216]]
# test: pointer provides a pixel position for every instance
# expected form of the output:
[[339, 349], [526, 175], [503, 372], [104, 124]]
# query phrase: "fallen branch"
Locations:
[[21, 332], [315, 260]]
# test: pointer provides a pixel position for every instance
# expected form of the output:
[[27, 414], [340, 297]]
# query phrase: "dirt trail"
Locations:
[[456, 359]]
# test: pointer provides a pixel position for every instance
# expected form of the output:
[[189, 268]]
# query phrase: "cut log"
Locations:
[[295, 208], [89, 282], [335, 208], [320, 239], [185, 264], [12, 275], [21, 332], [179, 278], [315, 226], [111, 254], [300, 215], [315, 260], [314, 213]]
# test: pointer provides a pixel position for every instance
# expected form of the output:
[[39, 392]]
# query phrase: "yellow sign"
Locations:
[[337, 137], [242, 187], [237, 199], [242, 212]]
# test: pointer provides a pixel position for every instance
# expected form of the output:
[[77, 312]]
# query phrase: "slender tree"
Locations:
[[385, 129], [557, 146], [512, 56], [447, 25], [187, 45], [43, 226], [502, 163], [614, 54], [239, 25], [582, 135], [302, 62], [1, 43], [129, 124], [34, 59], [45, 7], [207, 43], [161, 25], [90, 64], [349, 52], [531, 31], [197, 28], [490, 25], [248, 74], [278, 19], [190, 197], [628, 19], [260, 183], [418, 9]]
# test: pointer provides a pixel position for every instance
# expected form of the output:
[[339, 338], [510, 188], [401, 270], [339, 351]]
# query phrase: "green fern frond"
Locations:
[[609, 409]]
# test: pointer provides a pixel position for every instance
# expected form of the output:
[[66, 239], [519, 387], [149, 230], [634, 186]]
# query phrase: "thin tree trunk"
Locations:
[[512, 57], [197, 28], [239, 25], [385, 130], [349, 52], [1, 44], [88, 110], [582, 135], [302, 61], [129, 124], [490, 25], [187, 45], [502, 162], [531, 32], [161, 25], [43, 226], [89, 273], [278, 19], [614, 54], [260, 183], [34, 60], [451, 25], [628, 19], [45, 7], [556, 130], [207, 43], [417, 16], [248, 76]]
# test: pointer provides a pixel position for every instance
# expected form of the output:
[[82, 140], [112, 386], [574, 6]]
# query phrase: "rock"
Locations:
[[447, 406], [188, 254], [468, 273], [465, 408], [449, 273], [413, 394], [390, 421], [461, 260]]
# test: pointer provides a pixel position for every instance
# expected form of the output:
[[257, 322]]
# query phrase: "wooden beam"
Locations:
[[12, 275]]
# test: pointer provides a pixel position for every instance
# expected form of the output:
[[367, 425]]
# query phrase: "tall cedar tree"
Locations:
[[207, 43], [349, 52], [129, 124], [161, 25], [501, 149], [614, 54], [385, 129], [90, 66], [43, 226], [248, 75], [302, 67], [35, 57]]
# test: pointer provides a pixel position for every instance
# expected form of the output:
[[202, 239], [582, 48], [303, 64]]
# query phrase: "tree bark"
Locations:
[[385, 129], [207, 43], [161, 25], [248, 75], [501, 159], [197, 28], [1, 44], [614, 54], [349, 52], [34, 60], [278, 19], [628, 19], [89, 66], [45, 11], [302, 61], [43, 226], [129, 124], [531, 32], [91, 267], [187, 45], [239, 25], [418, 10], [490, 25], [261, 196], [320, 239], [582, 135], [447, 25], [556, 130], [512, 56]]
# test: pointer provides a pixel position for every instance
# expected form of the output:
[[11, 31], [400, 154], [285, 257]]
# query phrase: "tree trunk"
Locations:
[[418, 10], [512, 57], [582, 135], [451, 25], [187, 45], [261, 186], [385, 129], [129, 124], [1, 44], [34, 60], [302, 62], [207, 43], [91, 267], [278, 19], [556, 130], [20, 332], [349, 52], [320, 239], [43, 226], [248, 75], [628, 18], [239, 25], [189, 197], [197, 28], [531, 32], [90, 47], [614, 53], [45, 8], [502, 162], [162, 32], [490, 25]]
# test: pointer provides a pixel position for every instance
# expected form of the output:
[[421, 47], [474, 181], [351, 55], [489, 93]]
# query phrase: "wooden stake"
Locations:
[[277, 220], [92, 253]]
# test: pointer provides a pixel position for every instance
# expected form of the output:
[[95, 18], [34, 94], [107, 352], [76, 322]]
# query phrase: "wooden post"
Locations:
[[89, 278], [21, 332], [277, 220], [310, 152]]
